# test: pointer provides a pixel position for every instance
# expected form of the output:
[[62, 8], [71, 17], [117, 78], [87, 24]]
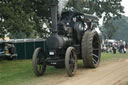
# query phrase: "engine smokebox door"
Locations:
[[54, 42]]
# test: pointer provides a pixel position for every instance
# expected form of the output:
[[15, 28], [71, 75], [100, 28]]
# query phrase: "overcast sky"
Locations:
[[125, 4]]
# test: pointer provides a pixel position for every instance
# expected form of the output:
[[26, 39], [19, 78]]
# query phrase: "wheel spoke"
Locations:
[[71, 55], [94, 61], [70, 67], [95, 48], [40, 68], [72, 64], [42, 61], [95, 42], [94, 55], [73, 68]]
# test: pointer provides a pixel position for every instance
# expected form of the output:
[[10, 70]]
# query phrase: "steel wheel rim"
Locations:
[[95, 50], [40, 62], [72, 62]]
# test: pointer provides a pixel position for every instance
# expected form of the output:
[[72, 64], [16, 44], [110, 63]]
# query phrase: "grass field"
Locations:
[[17, 72]]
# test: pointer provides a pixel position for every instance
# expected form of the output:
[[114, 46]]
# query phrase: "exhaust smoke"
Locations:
[[61, 5]]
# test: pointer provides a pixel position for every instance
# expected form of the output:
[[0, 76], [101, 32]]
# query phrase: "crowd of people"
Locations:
[[114, 46]]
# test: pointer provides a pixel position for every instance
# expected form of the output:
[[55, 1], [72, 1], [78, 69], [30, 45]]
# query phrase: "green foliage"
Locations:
[[122, 32], [109, 29], [15, 18], [116, 29], [24, 18], [40, 7], [102, 8]]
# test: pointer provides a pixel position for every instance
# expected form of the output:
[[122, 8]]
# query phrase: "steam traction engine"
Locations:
[[73, 37]]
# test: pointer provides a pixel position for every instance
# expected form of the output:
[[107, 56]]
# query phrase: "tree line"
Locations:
[[24, 18]]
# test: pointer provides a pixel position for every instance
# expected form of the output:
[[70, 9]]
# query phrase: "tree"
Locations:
[[108, 30], [25, 16], [102, 8], [15, 19], [122, 32], [106, 9]]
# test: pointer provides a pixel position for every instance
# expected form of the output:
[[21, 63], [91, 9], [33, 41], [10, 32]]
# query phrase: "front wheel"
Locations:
[[71, 61], [38, 62]]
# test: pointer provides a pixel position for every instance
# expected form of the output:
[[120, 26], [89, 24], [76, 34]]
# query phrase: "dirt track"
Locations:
[[110, 73]]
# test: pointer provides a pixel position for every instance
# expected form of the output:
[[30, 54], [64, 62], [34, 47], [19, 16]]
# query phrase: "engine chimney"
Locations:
[[54, 15]]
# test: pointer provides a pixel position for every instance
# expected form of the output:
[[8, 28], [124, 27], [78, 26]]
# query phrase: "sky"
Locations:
[[125, 4]]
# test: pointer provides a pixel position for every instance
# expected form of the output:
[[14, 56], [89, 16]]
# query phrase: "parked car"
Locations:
[[7, 50]]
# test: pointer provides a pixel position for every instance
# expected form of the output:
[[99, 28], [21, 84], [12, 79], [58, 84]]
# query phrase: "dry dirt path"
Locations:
[[110, 73]]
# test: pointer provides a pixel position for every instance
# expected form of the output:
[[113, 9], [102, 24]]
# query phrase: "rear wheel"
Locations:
[[91, 49], [71, 61], [38, 62]]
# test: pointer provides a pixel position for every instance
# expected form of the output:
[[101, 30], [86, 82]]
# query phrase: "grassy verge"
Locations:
[[19, 71], [111, 56]]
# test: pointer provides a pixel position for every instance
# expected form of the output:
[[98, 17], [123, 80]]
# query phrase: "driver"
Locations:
[[89, 24]]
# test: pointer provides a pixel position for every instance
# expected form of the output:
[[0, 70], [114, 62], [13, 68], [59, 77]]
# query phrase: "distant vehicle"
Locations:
[[110, 41], [7, 50]]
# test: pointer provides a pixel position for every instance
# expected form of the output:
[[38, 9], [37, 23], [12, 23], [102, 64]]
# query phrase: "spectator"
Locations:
[[126, 46], [125, 50], [121, 46], [114, 48]]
